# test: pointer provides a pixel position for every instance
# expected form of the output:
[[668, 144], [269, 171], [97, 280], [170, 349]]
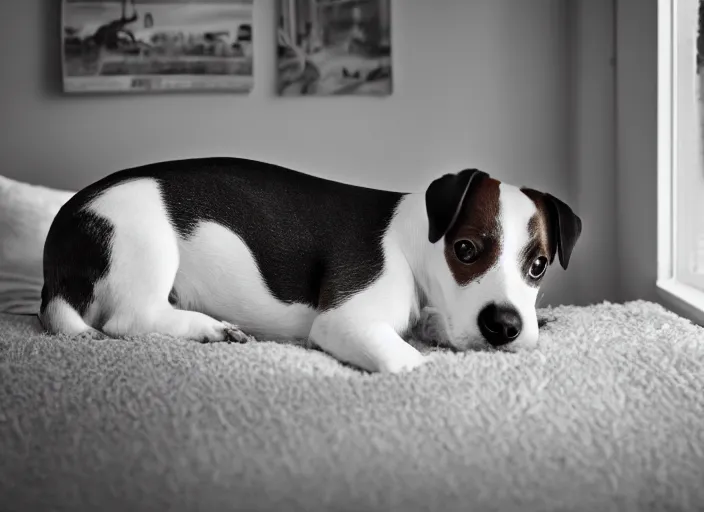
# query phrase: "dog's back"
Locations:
[[236, 238]]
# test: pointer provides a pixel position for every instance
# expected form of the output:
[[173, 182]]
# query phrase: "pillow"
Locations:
[[26, 213]]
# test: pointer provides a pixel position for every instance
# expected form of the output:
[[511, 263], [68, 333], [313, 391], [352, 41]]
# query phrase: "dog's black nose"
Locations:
[[499, 324]]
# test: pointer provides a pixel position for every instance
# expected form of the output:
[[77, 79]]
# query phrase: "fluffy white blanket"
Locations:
[[608, 414]]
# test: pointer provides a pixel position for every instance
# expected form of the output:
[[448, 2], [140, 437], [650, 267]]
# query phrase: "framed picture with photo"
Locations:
[[157, 45], [334, 47]]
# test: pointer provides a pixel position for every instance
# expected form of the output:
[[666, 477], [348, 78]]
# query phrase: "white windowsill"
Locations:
[[683, 299]]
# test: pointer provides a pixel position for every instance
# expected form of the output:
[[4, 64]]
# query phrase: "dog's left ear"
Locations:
[[444, 198], [565, 227]]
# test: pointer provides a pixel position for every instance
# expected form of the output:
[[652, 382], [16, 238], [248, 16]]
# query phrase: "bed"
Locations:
[[607, 414]]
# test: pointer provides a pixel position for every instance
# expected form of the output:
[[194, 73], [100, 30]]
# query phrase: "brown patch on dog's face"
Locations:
[[477, 226], [541, 240]]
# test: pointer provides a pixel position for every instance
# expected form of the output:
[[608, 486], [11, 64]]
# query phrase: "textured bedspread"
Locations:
[[608, 414]]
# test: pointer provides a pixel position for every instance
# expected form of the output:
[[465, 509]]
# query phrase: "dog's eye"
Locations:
[[466, 251], [537, 269]]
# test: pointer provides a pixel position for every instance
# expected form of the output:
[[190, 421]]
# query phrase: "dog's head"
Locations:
[[491, 246]]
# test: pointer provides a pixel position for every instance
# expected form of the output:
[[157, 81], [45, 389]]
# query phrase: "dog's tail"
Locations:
[[58, 317]]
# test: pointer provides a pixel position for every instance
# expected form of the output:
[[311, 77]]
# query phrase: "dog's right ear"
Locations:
[[444, 198]]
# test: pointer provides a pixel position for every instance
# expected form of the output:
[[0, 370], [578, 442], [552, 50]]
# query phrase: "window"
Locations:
[[681, 156]]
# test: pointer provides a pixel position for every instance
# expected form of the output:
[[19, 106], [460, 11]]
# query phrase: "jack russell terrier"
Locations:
[[189, 247]]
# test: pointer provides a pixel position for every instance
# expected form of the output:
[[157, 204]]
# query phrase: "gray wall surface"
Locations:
[[521, 89], [637, 97]]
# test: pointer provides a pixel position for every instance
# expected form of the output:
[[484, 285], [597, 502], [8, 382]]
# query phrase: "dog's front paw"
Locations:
[[403, 364], [235, 335], [91, 335]]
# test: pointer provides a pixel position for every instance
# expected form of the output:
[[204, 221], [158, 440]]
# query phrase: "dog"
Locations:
[[187, 248]]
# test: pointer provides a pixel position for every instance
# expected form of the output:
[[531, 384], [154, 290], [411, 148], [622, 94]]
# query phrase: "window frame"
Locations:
[[679, 296]]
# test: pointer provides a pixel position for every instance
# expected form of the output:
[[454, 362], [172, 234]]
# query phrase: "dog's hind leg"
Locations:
[[133, 297], [164, 319]]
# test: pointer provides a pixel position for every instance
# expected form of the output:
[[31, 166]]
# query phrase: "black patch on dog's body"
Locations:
[[315, 241], [76, 255]]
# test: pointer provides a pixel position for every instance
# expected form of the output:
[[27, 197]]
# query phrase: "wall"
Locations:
[[637, 61], [593, 146], [477, 83]]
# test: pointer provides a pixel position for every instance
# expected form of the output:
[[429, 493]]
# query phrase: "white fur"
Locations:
[[63, 318], [365, 329], [219, 276], [218, 281], [516, 212], [133, 297]]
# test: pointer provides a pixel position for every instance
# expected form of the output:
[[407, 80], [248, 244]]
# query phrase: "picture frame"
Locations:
[[130, 46], [334, 48]]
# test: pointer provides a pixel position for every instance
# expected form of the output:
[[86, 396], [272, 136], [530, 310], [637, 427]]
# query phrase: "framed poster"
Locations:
[[334, 47], [157, 45]]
